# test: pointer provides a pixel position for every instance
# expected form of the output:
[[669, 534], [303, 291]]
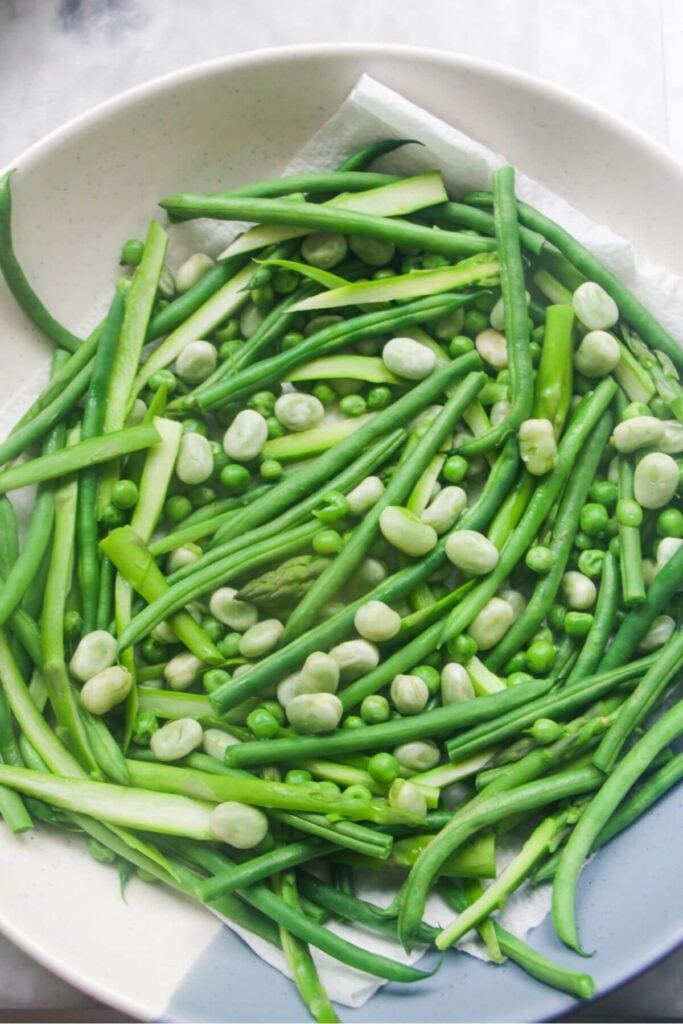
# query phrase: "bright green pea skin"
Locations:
[[229, 332], [593, 519], [460, 345], [540, 656], [263, 725], [325, 394], [379, 397], [193, 426], [375, 709], [212, 627], [270, 469], [430, 676], [131, 252], [590, 563], [462, 648], [384, 768], [539, 559], [455, 469], [629, 512], [203, 495], [614, 547], [275, 428], [291, 340], [285, 281], [517, 678], [124, 494], [578, 624], [153, 652], [353, 722], [235, 478], [474, 323], [604, 492], [353, 405], [177, 508], [545, 730], [113, 517], [670, 523], [229, 646], [214, 678], [516, 663], [327, 542], [634, 409], [263, 402], [583, 541], [556, 614], [336, 507], [163, 377], [145, 726], [357, 792], [298, 777], [229, 349]]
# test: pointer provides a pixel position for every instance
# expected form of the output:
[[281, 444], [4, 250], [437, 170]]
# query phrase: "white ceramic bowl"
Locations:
[[78, 195]]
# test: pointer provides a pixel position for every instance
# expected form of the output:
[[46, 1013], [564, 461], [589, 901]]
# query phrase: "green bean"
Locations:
[[598, 813], [105, 595], [12, 808], [79, 456], [582, 260], [583, 424], [554, 705], [357, 547], [453, 215], [555, 375], [325, 218], [437, 722], [92, 424], [263, 866], [106, 750], [362, 158], [516, 315], [18, 283], [182, 307], [9, 536], [563, 533], [311, 181], [636, 624], [603, 623], [641, 702], [322, 342], [484, 813], [473, 861]]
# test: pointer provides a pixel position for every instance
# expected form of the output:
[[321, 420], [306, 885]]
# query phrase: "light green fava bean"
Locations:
[[238, 615], [456, 685], [409, 694], [672, 441], [666, 549], [597, 354], [95, 652], [403, 530], [164, 633], [445, 510], [418, 756], [537, 446], [176, 739], [472, 552], [655, 480], [182, 670], [189, 272], [649, 571], [355, 658], [137, 413], [246, 436], [408, 358], [371, 573], [492, 623], [637, 432], [579, 591], [288, 688], [364, 495], [499, 412], [405, 796], [377, 621], [497, 314], [297, 411], [320, 672], [105, 690], [238, 825], [449, 325], [261, 638], [184, 555], [324, 249], [516, 600], [194, 463], [196, 362], [313, 713], [215, 742], [594, 307], [657, 635], [376, 252], [492, 346]]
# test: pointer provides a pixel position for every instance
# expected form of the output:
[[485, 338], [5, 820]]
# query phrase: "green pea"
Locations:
[[379, 397], [670, 523], [203, 495], [330, 789], [659, 408], [539, 559], [410, 264], [325, 394], [540, 656], [275, 428], [152, 651], [285, 281], [213, 628], [615, 547], [538, 334], [455, 469], [591, 561], [545, 730], [113, 517], [321, 321], [583, 540], [144, 728], [99, 852], [594, 519], [556, 614], [516, 663], [270, 469], [634, 409], [384, 768], [229, 646], [336, 507], [73, 624], [163, 377], [629, 512], [327, 542], [462, 648], [263, 725], [578, 624], [229, 331], [262, 298], [290, 340], [263, 402], [535, 350], [275, 709], [429, 675], [214, 678], [124, 494], [177, 508], [375, 709], [298, 777], [235, 478], [193, 426], [433, 261], [229, 349], [474, 323], [604, 492], [353, 405], [357, 792], [131, 252], [517, 678], [460, 345]]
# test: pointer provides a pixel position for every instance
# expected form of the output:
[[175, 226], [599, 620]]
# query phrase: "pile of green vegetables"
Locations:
[[360, 546]]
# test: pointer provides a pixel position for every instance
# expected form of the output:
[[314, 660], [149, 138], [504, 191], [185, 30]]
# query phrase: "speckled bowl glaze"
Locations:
[[82, 191]]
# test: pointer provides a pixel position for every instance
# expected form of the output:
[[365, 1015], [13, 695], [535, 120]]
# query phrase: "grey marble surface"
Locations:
[[59, 58]]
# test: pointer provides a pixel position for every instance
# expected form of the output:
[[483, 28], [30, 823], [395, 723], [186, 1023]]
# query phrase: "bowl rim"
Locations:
[[157, 85]]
